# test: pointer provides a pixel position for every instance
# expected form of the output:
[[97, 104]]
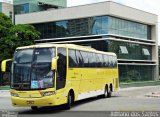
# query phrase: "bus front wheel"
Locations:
[[69, 101]]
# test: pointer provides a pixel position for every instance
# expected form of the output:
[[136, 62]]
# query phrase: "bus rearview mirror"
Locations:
[[4, 65], [54, 63]]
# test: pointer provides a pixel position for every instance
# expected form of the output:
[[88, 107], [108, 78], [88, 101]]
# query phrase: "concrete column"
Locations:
[[154, 36]]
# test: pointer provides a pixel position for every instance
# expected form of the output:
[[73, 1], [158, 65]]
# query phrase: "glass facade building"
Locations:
[[101, 25], [94, 26]]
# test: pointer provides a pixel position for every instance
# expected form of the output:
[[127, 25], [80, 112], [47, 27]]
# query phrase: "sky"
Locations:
[[151, 6]]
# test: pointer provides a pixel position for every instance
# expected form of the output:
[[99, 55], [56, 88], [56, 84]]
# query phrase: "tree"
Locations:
[[13, 36], [5, 24]]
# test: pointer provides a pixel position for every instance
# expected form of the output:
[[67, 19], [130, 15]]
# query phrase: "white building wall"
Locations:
[[7, 8], [98, 9]]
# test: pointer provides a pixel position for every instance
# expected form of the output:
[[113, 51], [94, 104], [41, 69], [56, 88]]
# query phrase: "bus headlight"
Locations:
[[48, 93], [14, 95]]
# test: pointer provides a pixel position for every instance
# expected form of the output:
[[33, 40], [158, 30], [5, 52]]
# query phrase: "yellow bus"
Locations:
[[55, 74]]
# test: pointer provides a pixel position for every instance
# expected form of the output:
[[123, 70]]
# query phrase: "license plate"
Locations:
[[30, 102]]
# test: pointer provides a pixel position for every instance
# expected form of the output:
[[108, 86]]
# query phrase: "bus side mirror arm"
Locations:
[[4, 65], [54, 63]]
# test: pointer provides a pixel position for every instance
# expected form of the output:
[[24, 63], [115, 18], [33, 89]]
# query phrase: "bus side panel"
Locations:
[[92, 76], [74, 77], [107, 77], [85, 81], [116, 86]]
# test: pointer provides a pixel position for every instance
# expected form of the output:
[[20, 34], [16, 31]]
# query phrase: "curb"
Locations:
[[5, 93], [154, 94], [151, 95], [140, 84]]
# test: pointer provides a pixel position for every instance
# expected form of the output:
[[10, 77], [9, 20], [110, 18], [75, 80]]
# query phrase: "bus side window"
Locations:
[[94, 60], [103, 61], [106, 62], [85, 58], [73, 62], [115, 62], [90, 59], [100, 60], [79, 59], [61, 68], [110, 61]]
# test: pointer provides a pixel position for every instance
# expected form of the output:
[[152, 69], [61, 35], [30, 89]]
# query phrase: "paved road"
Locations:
[[128, 99]]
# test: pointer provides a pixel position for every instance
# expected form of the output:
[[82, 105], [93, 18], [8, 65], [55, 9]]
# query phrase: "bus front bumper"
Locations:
[[43, 101]]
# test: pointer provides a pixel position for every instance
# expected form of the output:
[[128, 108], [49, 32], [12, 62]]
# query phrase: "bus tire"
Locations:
[[34, 108], [107, 92], [69, 101]]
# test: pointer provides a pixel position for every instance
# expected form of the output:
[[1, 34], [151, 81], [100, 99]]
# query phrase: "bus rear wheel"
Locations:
[[34, 108], [107, 92]]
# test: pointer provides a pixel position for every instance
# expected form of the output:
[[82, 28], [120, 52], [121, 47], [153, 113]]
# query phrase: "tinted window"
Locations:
[[98, 60], [114, 62], [110, 61], [91, 60], [85, 58], [72, 58], [101, 59], [79, 59], [106, 61], [94, 59]]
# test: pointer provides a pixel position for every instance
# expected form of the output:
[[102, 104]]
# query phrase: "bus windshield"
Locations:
[[31, 69]]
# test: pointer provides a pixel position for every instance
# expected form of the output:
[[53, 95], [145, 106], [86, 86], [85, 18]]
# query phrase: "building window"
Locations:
[[123, 50], [145, 51], [129, 28], [93, 26], [21, 9], [134, 73]]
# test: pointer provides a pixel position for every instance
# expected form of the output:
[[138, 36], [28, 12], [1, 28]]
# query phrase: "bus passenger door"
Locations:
[[61, 75]]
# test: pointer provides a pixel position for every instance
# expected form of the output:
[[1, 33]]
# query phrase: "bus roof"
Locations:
[[72, 46]]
